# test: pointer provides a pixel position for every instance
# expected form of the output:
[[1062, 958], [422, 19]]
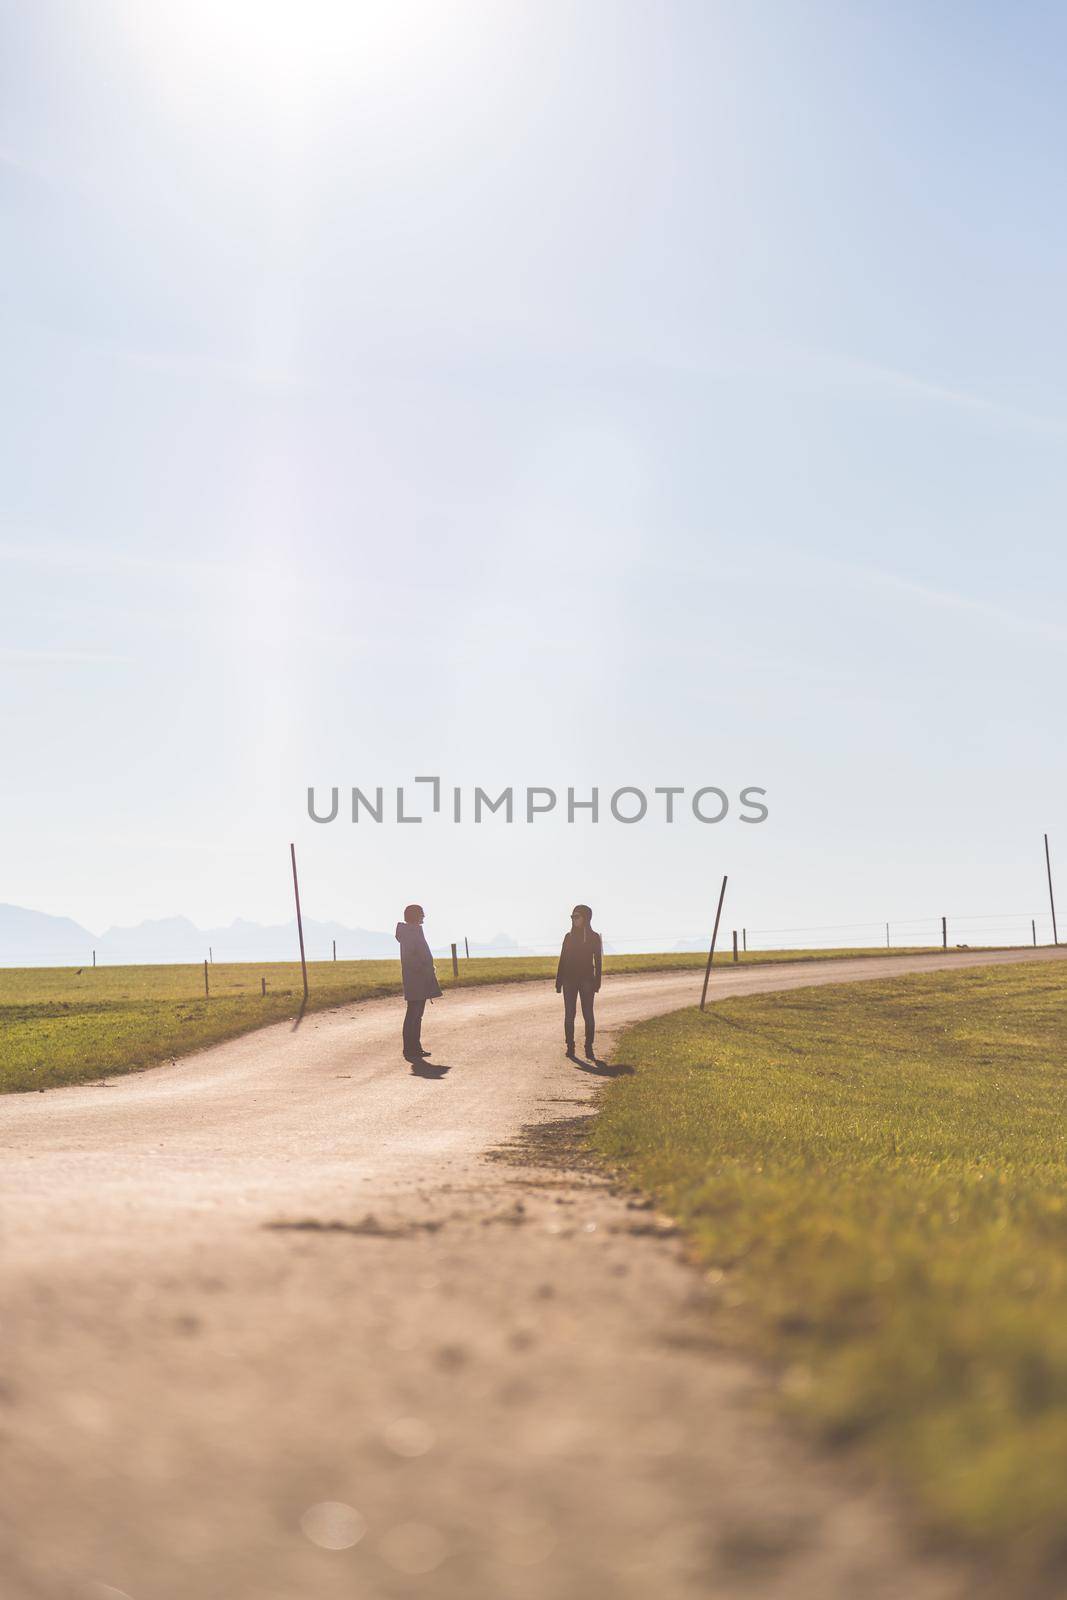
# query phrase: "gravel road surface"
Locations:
[[279, 1323]]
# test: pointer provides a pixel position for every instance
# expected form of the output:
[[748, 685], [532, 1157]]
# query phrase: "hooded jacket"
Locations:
[[416, 963]]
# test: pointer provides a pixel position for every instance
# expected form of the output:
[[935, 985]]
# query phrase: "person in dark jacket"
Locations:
[[420, 979], [578, 975]]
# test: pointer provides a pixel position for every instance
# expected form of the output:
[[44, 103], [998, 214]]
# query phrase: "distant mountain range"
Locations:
[[34, 939]]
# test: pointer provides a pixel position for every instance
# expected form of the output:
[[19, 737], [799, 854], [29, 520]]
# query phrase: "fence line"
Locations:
[[969, 928]]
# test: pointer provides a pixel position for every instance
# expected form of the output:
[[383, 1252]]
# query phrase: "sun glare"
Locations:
[[282, 54]]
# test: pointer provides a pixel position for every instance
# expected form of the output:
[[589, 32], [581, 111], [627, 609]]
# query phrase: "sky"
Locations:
[[555, 394]]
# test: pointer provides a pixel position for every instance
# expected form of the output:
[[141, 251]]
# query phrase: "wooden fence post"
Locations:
[[299, 923], [1051, 898], [714, 935], [455, 963]]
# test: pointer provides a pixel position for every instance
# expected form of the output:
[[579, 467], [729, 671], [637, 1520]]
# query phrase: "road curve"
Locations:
[[287, 1273]]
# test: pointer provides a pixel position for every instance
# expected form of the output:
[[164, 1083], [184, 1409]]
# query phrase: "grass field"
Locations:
[[876, 1176], [61, 1025]]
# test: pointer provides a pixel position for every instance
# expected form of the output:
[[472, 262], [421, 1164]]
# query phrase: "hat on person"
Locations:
[[585, 911], [413, 913]]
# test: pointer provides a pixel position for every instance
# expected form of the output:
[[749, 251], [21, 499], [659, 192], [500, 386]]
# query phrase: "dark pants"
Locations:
[[573, 991], [413, 1028]]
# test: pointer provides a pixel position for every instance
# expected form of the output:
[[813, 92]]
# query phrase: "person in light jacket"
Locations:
[[420, 979], [578, 975]]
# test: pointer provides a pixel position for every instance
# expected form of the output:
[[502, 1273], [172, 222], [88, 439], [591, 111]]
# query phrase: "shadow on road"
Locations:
[[602, 1069], [429, 1069]]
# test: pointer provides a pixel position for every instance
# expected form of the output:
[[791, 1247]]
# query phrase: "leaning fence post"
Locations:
[[1051, 898], [466, 947], [455, 963], [1033, 930], [299, 922], [714, 935]]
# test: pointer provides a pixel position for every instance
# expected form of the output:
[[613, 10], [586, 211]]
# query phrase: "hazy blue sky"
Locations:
[[533, 393]]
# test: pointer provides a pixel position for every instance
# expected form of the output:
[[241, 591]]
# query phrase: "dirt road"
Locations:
[[277, 1326]]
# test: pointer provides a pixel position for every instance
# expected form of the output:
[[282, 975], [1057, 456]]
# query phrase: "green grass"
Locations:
[[877, 1176], [60, 1025]]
